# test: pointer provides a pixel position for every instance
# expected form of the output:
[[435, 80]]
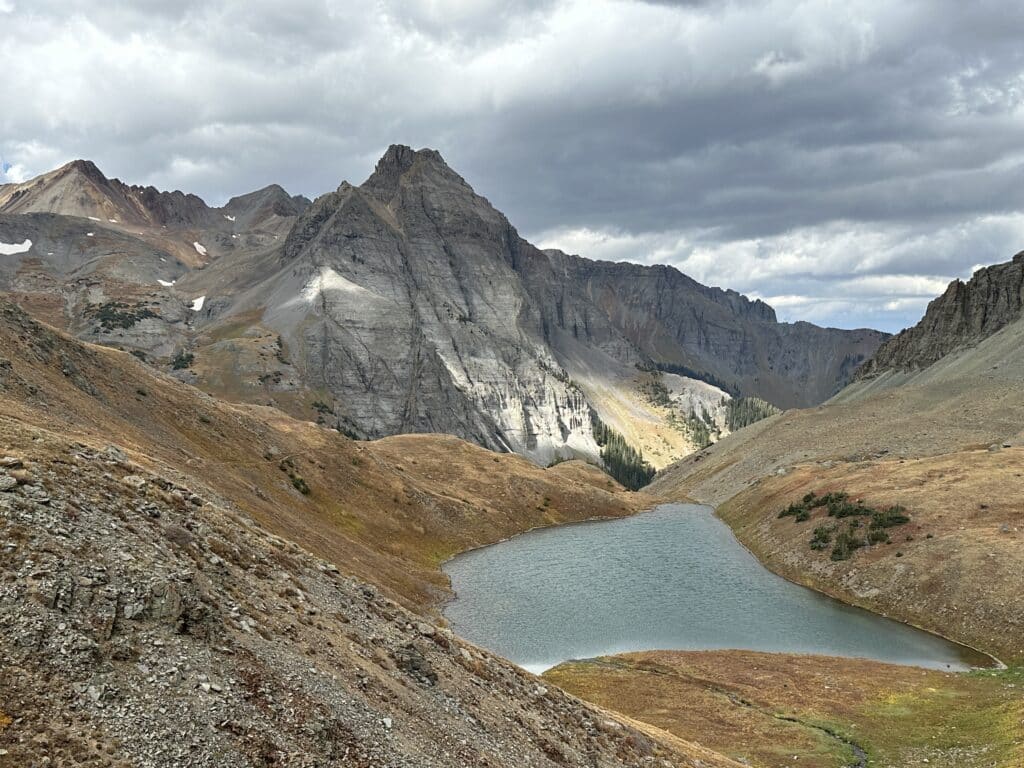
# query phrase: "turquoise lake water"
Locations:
[[673, 578]]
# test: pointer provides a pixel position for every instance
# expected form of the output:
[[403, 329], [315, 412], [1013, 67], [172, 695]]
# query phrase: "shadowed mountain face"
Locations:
[[966, 314], [409, 304]]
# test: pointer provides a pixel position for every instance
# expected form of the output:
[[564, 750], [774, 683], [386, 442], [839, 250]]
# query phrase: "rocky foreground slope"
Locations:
[[405, 304], [150, 617]]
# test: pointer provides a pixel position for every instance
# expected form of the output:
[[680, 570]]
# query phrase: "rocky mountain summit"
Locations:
[[966, 314], [408, 304]]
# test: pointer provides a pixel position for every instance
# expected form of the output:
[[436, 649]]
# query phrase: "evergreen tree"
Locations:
[[744, 411], [622, 461]]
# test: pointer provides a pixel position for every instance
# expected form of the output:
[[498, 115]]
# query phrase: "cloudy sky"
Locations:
[[842, 160]]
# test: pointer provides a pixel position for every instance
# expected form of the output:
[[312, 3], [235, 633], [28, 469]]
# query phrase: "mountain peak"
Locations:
[[399, 160], [964, 316], [87, 168], [402, 156]]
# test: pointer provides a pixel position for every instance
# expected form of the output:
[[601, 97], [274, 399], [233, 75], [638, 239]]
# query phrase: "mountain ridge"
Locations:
[[964, 315], [80, 188], [409, 303]]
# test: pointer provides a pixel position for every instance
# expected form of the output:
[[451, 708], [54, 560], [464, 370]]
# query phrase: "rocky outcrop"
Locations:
[[964, 315]]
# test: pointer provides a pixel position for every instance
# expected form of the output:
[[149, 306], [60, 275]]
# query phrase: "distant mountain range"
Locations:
[[407, 304]]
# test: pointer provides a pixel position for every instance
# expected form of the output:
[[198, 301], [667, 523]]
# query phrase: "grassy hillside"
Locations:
[[775, 710], [922, 442]]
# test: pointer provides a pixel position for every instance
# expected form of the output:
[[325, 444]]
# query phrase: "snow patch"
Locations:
[[166, 284], [197, 304], [112, 221], [92, 218], [329, 280], [9, 249], [200, 249], [229, 218]]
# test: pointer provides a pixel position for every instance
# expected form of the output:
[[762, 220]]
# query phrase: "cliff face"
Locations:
[[964, 315], [718, 335], [419, 308]]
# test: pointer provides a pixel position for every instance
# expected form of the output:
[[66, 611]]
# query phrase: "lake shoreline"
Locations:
[[997, 664], [966, 657]]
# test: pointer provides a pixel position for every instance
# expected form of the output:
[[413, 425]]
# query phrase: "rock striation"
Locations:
[[405, 304], [719, 335], [419, 307]]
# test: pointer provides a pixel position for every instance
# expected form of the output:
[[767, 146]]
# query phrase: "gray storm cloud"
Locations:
[[842, 161]]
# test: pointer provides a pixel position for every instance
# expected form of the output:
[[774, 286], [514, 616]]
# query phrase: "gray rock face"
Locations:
[[264, 208], [717, 335], [419, 308], [401, 298], [407, 304], [964, 315]]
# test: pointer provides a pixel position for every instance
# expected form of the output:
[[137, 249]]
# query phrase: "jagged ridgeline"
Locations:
[[744, 411], [406, 304], [621, 460]]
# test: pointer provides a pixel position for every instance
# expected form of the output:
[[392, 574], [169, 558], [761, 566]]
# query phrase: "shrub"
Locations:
[[182, 360], [838, 505], [846, 544], [878, 536], [822, 537], [890, 518], [116, 314], [288, 467]]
